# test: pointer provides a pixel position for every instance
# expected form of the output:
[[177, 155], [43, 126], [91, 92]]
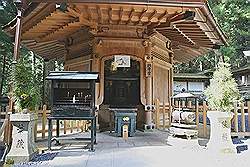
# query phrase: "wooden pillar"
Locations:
[[204, 119], [236, 126], [243, 121], [171, 57], [148, 83], [248, 111], [19, 6], [171, 83], [18, 34], [44, 118], [16, 47], [95, 63]]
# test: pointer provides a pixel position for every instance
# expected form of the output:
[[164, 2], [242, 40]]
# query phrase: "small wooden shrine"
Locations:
[[133, 44]]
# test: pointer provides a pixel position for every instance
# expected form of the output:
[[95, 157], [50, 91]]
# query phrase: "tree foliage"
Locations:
[[26, 86], [28, 73], [233, 17], [222, 92], [6, 46]]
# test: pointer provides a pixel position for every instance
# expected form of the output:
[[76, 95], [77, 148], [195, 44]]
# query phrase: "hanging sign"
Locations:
[[149, 69], [122, 61]]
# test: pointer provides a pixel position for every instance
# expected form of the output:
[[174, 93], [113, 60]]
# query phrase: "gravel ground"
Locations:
[[150, 149]]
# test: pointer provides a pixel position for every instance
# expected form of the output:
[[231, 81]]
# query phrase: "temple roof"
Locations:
[[190, 77], [190, 25], [242, 70]]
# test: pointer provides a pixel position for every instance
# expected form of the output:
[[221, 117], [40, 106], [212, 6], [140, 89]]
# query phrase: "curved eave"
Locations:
[[208, 12], [190, 38], [48, 50]]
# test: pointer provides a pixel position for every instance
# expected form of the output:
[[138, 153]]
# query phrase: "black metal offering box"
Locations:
[[73, 98], [73, 93]]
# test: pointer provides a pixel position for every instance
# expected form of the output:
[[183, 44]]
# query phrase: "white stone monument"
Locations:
[[220, 135], [23, 145]]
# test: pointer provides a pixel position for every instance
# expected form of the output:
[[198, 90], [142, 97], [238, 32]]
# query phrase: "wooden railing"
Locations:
[[66, 126], [161, 116], [240, 122]]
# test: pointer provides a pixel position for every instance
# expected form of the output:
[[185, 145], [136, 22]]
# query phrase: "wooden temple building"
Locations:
[[194, 83], [146, 36]]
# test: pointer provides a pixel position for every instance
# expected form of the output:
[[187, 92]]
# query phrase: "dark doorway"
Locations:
[[122, 85]]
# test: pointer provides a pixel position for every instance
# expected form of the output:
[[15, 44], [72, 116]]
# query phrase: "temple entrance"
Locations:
[[122, 84]]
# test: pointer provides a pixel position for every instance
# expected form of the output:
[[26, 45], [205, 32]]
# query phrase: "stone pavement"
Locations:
[[146, 149]]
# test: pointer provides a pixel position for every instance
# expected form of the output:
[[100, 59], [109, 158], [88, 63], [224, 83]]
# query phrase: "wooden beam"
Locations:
[[43, 13], [199, 37], [142, 14], [178, 43], [196, 33], [43, 46], [167, 24], [47, 48], [110, 15], [78, 45], [88, 13], [50, 51], [191, 51], [49, 24], [149, 24], [62, 32], [83, 20], [120, 15], [53, 54], [130, 15], [162, 16], [178, 54], [99, 12], [191, 30], [152, 15], [202, 41], [178, 38], [179, 25], [199, 43], [35, 44], [73, 12]]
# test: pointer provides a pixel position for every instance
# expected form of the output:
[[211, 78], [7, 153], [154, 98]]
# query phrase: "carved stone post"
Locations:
[[148, 86], [23, 144]]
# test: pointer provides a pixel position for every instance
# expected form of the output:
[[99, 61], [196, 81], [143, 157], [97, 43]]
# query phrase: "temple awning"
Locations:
[[190, 26], [72, 75]]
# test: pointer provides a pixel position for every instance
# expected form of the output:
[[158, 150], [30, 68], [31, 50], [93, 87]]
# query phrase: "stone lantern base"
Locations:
[[23, 146], [220, 134]]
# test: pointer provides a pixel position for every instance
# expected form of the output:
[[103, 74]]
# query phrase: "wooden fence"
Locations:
[[161, 117], [65, 126], [240, 121]]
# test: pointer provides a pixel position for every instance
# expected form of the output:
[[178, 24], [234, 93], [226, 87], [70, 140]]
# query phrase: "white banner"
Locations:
[[122, 61]]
